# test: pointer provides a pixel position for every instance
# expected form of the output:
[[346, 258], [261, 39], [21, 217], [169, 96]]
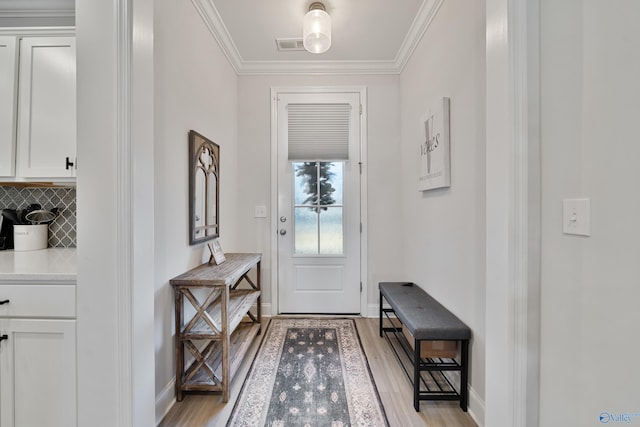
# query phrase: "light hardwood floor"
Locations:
[[393, 386]]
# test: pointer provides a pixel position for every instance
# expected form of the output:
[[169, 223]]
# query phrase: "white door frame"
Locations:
[[513, 235], [273, 224]]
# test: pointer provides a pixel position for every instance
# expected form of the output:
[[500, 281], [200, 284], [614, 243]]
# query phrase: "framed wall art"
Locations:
[[435, 162], [204, 188]]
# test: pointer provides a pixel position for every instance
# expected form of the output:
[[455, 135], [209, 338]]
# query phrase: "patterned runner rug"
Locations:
[[309, 372]]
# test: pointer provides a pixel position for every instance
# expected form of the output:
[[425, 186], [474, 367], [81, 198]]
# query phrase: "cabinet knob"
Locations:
[[69, 164], [4, 337], [4, 302]]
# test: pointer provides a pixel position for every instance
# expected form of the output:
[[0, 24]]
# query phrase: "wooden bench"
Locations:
[[410, 309]]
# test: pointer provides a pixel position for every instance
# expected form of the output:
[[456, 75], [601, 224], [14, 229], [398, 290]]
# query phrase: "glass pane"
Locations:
[[306, 231], [305, 183], [199, 206], [331, 236], [210, 206], [331, 183], [323, 235]]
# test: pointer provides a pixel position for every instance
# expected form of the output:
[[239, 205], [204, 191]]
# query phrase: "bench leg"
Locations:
[[464, 375], [380, 314], [416, 375]]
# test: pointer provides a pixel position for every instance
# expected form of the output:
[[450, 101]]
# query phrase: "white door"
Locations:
[[47, 107], [37, 373], [319, 203]]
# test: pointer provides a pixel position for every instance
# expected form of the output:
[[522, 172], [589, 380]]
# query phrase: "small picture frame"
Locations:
[[217, 255]]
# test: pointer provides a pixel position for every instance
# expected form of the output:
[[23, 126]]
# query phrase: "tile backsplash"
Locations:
[[62, 231]]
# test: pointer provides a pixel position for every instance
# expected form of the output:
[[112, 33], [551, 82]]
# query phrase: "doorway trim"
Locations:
[[513, 229], [273, 223]]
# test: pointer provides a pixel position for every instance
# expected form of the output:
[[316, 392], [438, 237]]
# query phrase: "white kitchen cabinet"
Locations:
[[37, 354], [8, 70], [46, 127]]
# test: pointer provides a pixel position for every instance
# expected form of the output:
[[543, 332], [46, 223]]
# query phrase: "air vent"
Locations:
[[289, 44]]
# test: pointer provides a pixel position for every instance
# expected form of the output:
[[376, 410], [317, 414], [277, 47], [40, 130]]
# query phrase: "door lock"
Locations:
[[283, 219]]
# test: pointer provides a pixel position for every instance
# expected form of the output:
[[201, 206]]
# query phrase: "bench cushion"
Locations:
[[422, 315]]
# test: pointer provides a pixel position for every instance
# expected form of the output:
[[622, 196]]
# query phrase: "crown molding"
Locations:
[[316, 67], [214, 23], [420, 24]]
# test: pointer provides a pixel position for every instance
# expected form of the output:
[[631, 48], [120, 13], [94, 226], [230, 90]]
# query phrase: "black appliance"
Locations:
[[9, 217]]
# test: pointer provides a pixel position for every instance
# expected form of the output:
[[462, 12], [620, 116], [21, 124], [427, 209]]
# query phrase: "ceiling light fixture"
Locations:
[[316, 29]]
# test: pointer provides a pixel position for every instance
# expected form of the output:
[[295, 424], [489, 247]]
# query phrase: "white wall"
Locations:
[[382, 168], [444, 229], [590, 292], [195, 88]]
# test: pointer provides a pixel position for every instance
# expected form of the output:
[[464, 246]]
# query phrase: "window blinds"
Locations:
[[318, 131]]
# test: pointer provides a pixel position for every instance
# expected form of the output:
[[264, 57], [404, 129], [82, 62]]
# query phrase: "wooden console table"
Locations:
[[223, 326]]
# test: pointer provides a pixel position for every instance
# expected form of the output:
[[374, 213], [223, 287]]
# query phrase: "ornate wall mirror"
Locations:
[[204, 188]]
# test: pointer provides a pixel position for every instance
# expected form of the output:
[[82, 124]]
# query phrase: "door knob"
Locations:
[[283, 231]]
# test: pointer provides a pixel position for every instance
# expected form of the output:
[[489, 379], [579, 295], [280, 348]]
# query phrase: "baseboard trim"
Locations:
[[266, 309], [373, 310], [476, 407], [165, 401]]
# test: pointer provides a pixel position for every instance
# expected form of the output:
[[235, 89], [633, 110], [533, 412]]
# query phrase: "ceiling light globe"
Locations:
[[316, 31]]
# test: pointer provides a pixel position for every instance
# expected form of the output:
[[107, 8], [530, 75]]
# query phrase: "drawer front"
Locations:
[[38, 300]]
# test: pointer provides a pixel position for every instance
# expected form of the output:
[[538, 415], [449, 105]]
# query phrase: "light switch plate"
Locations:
[[576, 216], [261, 212]]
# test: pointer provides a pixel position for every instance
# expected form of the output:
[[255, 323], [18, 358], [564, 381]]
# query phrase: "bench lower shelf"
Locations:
[[426, 374]]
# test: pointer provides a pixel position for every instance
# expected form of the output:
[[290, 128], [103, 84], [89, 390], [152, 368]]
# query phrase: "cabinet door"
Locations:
[[47, 107], [8, 84], [38, 373]]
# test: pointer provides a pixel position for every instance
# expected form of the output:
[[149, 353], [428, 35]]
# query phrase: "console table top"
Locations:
[[226, 273]]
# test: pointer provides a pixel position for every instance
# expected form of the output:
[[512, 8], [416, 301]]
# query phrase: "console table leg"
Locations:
[[226, 344], [179, 344], [259, 308]]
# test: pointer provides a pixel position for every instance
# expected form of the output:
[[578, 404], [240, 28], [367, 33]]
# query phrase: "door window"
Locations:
[[318, 208]]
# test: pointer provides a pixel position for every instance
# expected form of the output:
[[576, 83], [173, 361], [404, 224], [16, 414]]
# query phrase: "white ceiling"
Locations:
[[361, 29], [368, 36]]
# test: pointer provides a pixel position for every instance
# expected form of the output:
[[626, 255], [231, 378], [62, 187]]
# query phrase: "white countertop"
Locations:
[[57, 264]]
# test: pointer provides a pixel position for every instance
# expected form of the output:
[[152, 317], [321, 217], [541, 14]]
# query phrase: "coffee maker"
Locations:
[[8, 218]]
